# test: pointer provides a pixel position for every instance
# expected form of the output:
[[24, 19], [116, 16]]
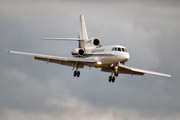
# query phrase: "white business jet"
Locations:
[[91, 53]]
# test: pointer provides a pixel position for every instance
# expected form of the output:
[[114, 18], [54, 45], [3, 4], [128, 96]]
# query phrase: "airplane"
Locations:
[[91, 53]]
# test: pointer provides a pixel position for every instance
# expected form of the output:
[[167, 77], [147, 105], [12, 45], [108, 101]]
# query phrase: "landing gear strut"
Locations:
[[76, 72]]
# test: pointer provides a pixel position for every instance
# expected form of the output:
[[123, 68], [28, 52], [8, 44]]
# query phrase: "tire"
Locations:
[[75, 73], [115, 74], [113, 79], [78, 73], [110, 78]]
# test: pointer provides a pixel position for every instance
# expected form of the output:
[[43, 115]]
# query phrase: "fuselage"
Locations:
[[104, 55]]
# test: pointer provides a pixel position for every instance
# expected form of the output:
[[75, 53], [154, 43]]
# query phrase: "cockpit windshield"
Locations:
[[120, 49]]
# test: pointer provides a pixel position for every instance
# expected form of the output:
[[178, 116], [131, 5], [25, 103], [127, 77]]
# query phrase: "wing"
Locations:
[[134, 71], [56, 59]]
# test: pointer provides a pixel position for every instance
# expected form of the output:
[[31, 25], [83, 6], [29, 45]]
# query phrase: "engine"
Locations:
[[81, 52], [96, 41]]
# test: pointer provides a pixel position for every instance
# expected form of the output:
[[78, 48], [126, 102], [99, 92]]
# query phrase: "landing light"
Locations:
[[116, 67], [99, 63]]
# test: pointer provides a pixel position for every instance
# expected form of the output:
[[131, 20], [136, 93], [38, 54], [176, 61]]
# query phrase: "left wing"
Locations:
[[134, 71], [55, 59]]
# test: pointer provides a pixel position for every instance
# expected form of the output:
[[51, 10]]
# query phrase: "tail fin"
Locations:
[[83, 32]]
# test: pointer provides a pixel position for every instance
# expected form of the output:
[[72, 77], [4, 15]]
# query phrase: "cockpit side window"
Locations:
[[119, 49], [123, 50]]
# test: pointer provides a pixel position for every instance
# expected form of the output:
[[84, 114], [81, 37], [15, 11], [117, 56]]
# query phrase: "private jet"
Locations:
[[91, 53]]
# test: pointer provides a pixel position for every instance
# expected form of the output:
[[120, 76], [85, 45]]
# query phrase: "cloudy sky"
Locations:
[[34, 90]]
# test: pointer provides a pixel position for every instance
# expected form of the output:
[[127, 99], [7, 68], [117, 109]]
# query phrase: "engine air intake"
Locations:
[[96, 41], [81, 52]]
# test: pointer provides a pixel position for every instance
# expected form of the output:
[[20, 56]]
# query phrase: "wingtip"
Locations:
[[8, 51], [81, 16], [169, 76]]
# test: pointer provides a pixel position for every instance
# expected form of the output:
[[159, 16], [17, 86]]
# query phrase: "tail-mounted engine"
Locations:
[[96, 42], [80, 52]]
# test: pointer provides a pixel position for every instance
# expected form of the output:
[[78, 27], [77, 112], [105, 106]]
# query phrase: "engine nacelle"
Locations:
[[81, 52], [96, 41]]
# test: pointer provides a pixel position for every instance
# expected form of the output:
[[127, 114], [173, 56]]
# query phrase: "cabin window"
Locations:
[[97, 50]]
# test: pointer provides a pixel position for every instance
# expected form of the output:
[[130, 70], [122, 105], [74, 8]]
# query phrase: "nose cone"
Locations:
[[126, 57]]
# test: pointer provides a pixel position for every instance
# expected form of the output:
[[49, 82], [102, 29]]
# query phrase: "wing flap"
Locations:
[[123, 70], [48, 60]]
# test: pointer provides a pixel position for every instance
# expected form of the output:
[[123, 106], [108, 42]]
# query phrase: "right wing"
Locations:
[[141, 71], [134, 71], [55, 59]]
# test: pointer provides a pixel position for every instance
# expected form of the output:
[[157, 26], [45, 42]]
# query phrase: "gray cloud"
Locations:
[[33, 90]]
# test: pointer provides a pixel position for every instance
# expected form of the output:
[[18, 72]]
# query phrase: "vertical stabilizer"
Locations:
[[83, 32]]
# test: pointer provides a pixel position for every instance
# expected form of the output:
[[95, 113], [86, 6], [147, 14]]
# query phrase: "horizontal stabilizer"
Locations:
[[63, 39]]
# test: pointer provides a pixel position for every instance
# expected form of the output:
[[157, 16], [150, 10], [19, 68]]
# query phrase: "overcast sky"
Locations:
[[34, 90]]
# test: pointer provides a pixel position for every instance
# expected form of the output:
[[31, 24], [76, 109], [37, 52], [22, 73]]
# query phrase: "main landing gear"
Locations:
[[115, 72], [112, 77], [76, 73]]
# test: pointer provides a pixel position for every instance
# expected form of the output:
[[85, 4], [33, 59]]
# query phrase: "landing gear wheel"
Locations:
[[115, 74], [75, 73], [111, 79], [78, 73]]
